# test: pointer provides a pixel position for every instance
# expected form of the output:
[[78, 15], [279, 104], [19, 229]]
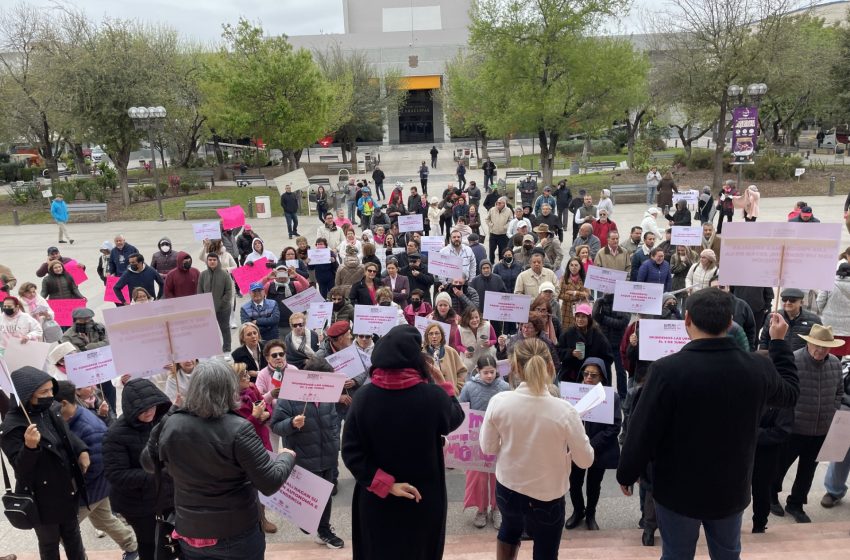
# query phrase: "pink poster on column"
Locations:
[[109, 295], [76, 271], [232, 217]]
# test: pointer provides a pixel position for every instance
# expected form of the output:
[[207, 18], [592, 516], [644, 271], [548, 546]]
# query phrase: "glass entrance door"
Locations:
[[416, 118]]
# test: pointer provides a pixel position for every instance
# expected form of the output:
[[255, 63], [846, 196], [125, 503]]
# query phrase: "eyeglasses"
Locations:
[[277, 355], [791, 299], [244, 375], [371, 271], [364, 336], [591, 375], [297, 325]]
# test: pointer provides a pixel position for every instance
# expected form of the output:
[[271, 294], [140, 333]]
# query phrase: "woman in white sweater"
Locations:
[[537, 438], [702, 273]]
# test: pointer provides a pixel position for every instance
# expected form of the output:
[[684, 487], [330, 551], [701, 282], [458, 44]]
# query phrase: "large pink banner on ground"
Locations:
[[62, 309]]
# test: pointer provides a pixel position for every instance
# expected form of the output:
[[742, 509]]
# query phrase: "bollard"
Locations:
[[251, 208], [832, 186], [15, 217]]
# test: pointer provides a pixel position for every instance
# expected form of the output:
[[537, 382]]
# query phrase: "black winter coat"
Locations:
[[422, 281], [242, 356], [218, 465], [595, 346], [603, 439], [802, 324], [483, 284], [133, 491], [316, 444], [775, 426], [612, 323], [359, 294]]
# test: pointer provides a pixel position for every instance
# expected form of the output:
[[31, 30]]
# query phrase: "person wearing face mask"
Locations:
[[17, 325], [183, 280], [342, 310], [384, 298], [164, 260], [138, 275], [283, 283], [417, 276], [417, 307], [49, 462]]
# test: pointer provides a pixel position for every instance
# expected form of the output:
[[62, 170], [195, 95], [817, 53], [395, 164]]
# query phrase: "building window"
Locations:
[[418, 18]]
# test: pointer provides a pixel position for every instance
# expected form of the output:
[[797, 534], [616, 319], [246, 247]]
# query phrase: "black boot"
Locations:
[[505, 551], [590, 520], [574, 520], [648, 537]]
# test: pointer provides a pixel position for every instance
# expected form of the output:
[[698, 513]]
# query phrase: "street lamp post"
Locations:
[[150, 119], [754, 93]]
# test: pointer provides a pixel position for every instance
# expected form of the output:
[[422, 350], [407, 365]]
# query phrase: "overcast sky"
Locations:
[[201, 19]]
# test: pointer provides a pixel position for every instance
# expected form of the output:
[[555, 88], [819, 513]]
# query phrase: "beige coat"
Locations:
[[621, 261], [497, 222]]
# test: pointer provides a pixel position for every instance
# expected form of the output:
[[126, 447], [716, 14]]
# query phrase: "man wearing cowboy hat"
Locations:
[[551, 248], [821, 389]]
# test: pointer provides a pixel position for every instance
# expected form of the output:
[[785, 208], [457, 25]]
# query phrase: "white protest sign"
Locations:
[[411, 222], [319, 256], [445, 266], [206, 230], [90, 367], [503, 367], [312, 386], [590, 400], [787, 254], [691, 196], [421, 323], [432, 243], [301, 500], [602, 413], [837, 441], [300, 302], [146, 337], [46, 193], [463, 451], [512, 308], [799, 171], [686, 235], [318, 313], [32, 353], [658, 338], [603, 279], [347, 362], [374, 319], [463, 429], [638, 297], [6, 379]]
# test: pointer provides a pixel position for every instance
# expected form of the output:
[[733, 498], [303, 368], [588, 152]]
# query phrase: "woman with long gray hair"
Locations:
[[218, 463]]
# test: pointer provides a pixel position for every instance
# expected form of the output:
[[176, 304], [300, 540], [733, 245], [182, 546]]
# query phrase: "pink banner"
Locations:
[[63, 309], [109, 295], [232, 217], [76, 271], [462, 450], [245, 275]]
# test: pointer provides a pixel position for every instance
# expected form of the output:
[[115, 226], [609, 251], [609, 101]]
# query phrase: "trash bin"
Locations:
[[263, 204]]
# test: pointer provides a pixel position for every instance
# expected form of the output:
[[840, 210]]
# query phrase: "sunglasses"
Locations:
[[371, 271], [297, 325], [277, 355], [791, 299], [364, 336], [336, 299]]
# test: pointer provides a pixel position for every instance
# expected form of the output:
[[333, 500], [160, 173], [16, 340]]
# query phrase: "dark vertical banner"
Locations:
[[745, 126]]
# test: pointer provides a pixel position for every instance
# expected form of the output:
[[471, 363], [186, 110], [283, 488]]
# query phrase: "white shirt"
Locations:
[[469, 262], [537, 437], [514, 224]]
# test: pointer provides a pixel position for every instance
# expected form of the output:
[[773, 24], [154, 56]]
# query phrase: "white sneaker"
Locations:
[[496, 519], [480, 520], [99, 534]]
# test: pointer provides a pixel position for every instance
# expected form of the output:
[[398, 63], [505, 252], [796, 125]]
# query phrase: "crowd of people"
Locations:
[[162, 457]]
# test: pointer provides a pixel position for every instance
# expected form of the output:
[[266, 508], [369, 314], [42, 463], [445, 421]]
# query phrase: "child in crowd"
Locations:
[[481, 486]]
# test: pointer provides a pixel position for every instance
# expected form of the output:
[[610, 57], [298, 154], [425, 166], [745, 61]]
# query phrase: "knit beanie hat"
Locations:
[[28, 379], [442, 296], [398, 348], [709, 254]]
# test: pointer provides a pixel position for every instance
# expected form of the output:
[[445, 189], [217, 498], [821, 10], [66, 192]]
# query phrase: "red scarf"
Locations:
[[396, 379]]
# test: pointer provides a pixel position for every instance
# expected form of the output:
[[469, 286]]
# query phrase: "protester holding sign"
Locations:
[[446, 358], [606, 453], [532, 432], [58, 284], [392, 445], [216, 479]]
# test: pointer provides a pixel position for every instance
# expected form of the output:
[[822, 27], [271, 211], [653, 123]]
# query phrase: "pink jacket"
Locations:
[[265, 386], [751, 204]]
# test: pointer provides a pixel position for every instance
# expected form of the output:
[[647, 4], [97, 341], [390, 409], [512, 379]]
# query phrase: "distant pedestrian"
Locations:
[[489, 169], [378, 176], [59, 211], [652, 180], [461, 174], [423, 177], [434, 152], [289, 203]]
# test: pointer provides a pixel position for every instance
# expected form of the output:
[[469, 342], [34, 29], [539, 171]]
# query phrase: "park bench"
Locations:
[[337, 167], [328, 158], [595, 166], [206, 175], [518, 174], [246, 180], [98, 208], [499, 160], [205, 205], [637, 188], [136, 181], [662, 158]]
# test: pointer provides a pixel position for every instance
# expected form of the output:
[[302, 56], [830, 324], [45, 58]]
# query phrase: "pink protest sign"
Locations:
[[62, 308], [76, 271], [463, 452], [312, 386], [232, 217], [109, 294], [302, 499], [246, 275]]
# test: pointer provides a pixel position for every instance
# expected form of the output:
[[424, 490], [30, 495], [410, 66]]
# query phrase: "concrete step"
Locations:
[[821, 541]]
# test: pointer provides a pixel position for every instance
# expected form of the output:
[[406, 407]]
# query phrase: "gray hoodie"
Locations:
[[478, 393]]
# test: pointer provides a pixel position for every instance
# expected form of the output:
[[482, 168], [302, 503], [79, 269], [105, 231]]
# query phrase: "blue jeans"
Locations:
[[679, 535], [650, 195], [835, 480], [352, 211], [247, 546], [544, 521], [291, 223]]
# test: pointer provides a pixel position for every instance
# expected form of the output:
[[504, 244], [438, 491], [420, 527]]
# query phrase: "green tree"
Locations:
[[261, 87], [362, 96], [557, 77], [186, 124]]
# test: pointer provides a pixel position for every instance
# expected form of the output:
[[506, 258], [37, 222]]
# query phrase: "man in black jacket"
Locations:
[[289, 203], [799, 320], [417, 275], [703, 468], [742, 315], [489, 169], [378, 176]]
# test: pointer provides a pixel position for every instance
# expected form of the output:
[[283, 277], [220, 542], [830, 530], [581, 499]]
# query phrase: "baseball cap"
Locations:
[[51, 250], [256, 286]]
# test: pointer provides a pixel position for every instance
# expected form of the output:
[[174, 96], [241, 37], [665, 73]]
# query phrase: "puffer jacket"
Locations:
[[821, 391], [603, 437], [349, 273], [133, 491], [316, 445], [91, 430], [612, 323], [266, 317], [834, 307], [164, 262], [508, 274], [216, 479], [478, 393], [802, 324], [59, 286]]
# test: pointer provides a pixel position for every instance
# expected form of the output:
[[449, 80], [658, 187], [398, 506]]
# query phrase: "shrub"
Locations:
[[642, 155], [700, 159], [30, 173], [575, 147], [10, 171], [108, 177], [89, 189], [5, 158], [68, 189], [147, 191], [771, 165]]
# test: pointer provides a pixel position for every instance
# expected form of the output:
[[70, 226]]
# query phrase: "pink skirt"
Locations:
[[480, 490]]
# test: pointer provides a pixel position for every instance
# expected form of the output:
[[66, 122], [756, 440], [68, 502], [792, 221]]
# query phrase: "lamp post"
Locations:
[[150, 119], [754, 93]]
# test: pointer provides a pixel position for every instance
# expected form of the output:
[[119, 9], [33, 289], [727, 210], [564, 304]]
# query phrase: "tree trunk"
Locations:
[[506, 142], [120, 159], [353, 154], [484, 152], [296, 156], [79, 158], [219, 155], [720, 143], [632, 130], [122, 181], [343, 147], [547, 153]]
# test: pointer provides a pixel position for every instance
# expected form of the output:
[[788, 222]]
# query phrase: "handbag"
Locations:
[[166, 547], [19, 507]]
